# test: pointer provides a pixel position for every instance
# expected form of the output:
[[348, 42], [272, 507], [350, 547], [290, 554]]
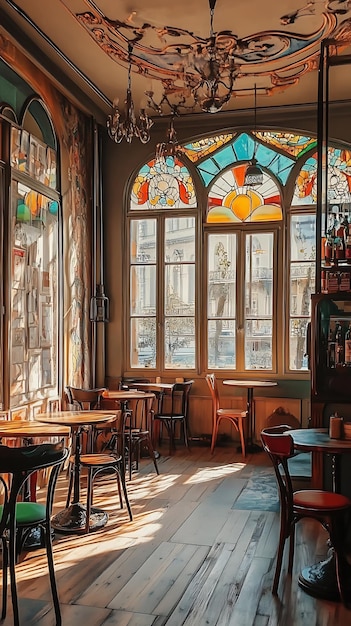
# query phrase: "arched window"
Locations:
[[217, 277]]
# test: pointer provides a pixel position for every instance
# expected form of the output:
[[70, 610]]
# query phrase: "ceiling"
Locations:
[[275, 46]]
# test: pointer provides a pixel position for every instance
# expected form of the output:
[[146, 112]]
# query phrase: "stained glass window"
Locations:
[[339, 178], [295, 145], [163, 184], [196, 150]]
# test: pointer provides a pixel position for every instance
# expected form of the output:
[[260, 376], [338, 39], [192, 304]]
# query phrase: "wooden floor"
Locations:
[[190, 557]]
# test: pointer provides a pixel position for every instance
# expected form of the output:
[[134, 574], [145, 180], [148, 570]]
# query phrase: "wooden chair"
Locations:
[[178, 413], [327, 507], [18, 518], [111, 460], [237, 417], [137, 433]]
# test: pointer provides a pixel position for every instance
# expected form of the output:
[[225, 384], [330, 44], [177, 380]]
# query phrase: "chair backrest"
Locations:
[[279, 446], [20, 463], [212, 383], [85, 399], [180, 393]]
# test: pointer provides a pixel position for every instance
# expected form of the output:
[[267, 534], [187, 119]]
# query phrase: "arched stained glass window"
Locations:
[[230, 200], [295, 145], [339, 179], [163, 184]]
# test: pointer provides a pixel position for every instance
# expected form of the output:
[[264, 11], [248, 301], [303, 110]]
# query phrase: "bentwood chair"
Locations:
[[137, 433], [88, 400], [18, 518], [177, 413], [329, 508], [236, 417], [110, 461]]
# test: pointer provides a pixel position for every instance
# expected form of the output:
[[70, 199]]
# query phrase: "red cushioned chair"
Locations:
[[327, 507]]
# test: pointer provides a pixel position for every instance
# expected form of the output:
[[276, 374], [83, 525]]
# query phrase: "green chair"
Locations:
[[18, 518]]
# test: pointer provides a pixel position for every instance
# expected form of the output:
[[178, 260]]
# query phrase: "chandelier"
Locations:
[[127, 126], [170, 147], [212, 69]]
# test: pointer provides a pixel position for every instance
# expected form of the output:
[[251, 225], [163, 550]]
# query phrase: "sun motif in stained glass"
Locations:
[[230, 200]]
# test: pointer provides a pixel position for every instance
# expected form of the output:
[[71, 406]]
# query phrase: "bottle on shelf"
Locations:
[[339, 347], [331, 350], [348, 346]]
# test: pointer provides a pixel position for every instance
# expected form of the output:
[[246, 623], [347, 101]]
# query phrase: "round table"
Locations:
[[319, 580], [250, 385], [27, 430], [73, 518]]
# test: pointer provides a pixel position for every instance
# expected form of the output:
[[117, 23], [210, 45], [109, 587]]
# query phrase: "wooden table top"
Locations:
[[250, 383], [76, 418], [127, 394], [318, 440], [31, 428]]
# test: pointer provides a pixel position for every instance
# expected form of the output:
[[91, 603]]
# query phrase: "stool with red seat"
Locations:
[[329, 508]]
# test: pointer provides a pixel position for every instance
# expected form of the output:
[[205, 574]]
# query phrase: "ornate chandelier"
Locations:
[[212, 69], [127, 126], [170, 147]]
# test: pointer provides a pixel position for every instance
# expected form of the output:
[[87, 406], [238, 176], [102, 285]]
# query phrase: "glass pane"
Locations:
[[221, 276], [143, 290], [180, 289], [303, 238], [258, 344], [143, 241], [297, 340], [180, 342], [258, 300], [143, 342], [33, 342], [302, 281], [221, 344], [179, 239]]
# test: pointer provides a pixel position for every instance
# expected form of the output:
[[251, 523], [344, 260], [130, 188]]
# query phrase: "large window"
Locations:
[[217, 280]]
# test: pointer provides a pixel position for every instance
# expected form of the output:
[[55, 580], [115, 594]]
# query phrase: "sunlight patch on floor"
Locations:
[[213, 473]]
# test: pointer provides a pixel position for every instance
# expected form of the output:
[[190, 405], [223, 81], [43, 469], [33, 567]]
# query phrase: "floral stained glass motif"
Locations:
[[163, 184], [230, 200], [295, 145], [339, 178], [196, 150]]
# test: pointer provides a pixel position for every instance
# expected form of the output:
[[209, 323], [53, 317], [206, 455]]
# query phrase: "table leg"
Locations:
[[251, 446], [73, 518]]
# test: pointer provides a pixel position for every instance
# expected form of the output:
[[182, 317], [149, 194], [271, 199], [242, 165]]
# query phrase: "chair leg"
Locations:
[[5, 565], [152, 453], [70, 485], [124, 487], [50, 558], [12, 566], [214, 437], [242, 437], [278, 566]]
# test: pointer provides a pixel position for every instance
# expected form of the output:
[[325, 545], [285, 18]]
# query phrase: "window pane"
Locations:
[[143, 241], [180, 342], [143, 342], [298, 332], [221, 344], [179, 239], [302, 284], [258, 301], [143, 290], [258, 344], [221, 300], [180, 290]]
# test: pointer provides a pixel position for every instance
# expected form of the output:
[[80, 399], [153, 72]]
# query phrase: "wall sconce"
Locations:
[[99, 306]]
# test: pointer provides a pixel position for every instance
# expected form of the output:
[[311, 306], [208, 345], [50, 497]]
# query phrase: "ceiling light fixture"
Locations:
[[254, 174], [170, 147], [214, 70], [128, 127]]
